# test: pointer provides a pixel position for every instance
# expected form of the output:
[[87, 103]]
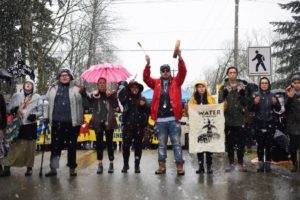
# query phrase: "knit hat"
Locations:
[[296, 76], [66, 70], [29, 80]]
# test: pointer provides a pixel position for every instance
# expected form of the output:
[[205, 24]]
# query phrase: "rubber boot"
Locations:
[[125, 168], [179, 166], [28, 171], [137, 169], [260, 166], [51, 173], [201, 169], [111, 168], [268, 166], [209, 170], [5, 172], [161, 167], [72, 172], [100, 168]]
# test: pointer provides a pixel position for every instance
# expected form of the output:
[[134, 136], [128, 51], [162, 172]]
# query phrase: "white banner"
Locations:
[[206, 124]]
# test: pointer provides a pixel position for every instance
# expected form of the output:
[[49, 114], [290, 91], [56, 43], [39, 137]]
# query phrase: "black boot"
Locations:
[[73, 172], [125, 168], [137, 169], [1, 169], [5, 172], [293, 170], [51, 173], [111, 168], [201, 169], [268, 166], [100, 168], [260, 166], [209, 170], [28, 171]]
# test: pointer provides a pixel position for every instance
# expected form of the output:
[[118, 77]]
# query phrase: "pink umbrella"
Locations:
[[111, 72]]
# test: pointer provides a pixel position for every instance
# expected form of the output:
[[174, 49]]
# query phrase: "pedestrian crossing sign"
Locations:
[[259, 61]]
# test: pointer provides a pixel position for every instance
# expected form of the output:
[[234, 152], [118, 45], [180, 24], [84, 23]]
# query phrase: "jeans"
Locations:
[[264, 141], [163, 130]]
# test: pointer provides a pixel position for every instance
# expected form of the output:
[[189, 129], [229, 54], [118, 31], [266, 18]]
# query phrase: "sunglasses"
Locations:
[[165, 70]]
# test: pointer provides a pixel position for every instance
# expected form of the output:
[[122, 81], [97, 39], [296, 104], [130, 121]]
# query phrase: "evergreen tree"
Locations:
[[287, 49]]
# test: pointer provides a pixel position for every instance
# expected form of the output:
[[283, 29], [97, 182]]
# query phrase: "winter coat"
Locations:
[[293, 115], [2, 112], [174, 90], [135, 116], [34, 106], [111, 105], [76, 103], [264, 110], [236, 103]]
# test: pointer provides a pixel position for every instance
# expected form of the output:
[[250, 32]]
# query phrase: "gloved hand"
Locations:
[[14, 110], [31, 117]]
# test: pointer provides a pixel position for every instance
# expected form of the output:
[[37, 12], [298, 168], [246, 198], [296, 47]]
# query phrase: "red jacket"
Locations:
[[174, 91]]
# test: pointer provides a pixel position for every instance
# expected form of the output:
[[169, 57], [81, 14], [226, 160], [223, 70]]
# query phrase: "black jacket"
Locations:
[[2, 112], [135, 116]]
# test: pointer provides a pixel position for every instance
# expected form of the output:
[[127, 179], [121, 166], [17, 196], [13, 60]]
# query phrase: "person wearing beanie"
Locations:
[[200, 97], [166, 111], [28, 106], [293, 119], [135, 119], [65, 115], [263, 104], [104, 105], [234, 96]]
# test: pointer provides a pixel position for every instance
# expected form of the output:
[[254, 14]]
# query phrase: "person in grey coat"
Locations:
[[65, 114], [28, 106]]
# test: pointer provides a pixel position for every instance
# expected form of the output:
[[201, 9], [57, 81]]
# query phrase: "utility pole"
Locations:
[[236, 33]]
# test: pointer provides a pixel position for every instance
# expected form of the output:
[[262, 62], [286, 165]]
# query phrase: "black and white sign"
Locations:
[[259, 61]]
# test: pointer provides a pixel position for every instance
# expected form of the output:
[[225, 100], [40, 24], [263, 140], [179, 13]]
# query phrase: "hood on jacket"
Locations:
[[207, 95], [202, 82], [140, 86], [264, 78], [67, 70], [29, 80]]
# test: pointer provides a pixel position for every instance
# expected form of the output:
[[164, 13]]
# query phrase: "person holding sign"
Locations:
[[201, 96], [166, 110]]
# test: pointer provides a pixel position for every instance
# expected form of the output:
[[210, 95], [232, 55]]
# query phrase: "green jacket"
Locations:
[[293, 116], [236, 103]]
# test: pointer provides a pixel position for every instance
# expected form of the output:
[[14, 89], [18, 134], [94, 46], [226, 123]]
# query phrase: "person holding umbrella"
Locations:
[[65, 115], [135, 119], [104, 104], [28, 106], [166, 110]]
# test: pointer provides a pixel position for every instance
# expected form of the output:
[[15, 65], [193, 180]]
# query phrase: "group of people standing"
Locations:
[[64, 111]]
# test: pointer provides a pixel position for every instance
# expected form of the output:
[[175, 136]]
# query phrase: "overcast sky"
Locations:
[[205, 25]]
